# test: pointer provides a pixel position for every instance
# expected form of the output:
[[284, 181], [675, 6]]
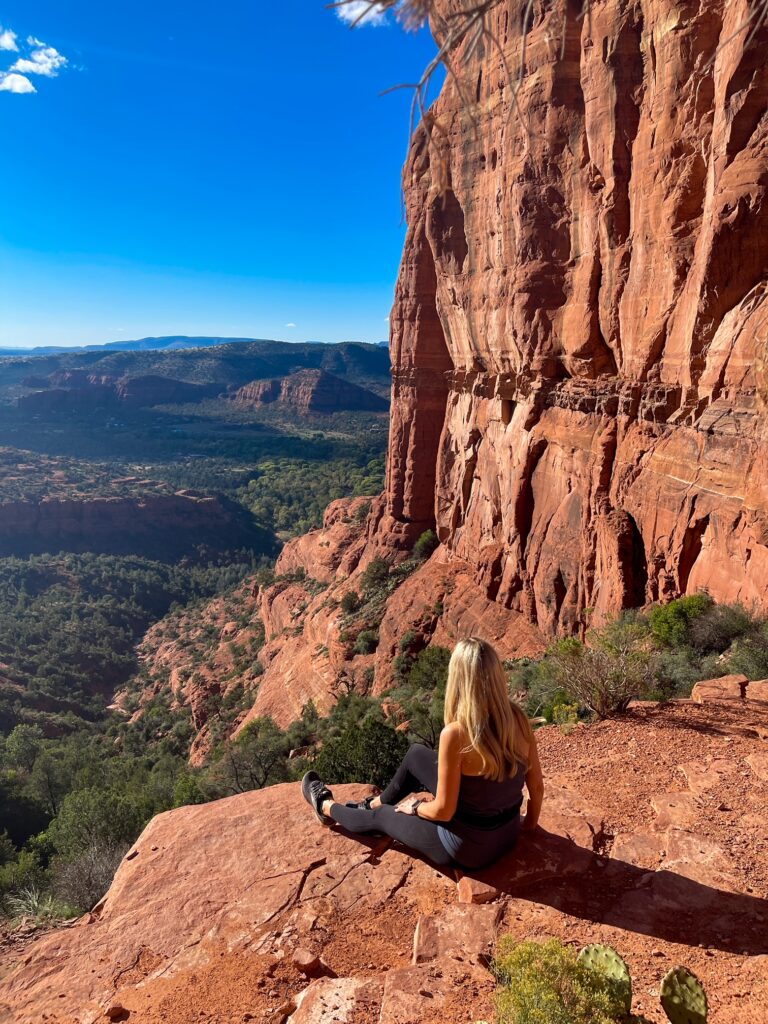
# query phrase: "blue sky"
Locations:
[[221, 169]]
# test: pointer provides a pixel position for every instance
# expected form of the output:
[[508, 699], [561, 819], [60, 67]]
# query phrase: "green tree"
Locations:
[[368, 753], [420, 700], [257, 758], [22, 746], [94, 817]]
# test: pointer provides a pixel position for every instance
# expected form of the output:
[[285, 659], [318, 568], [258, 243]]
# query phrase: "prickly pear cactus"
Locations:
[[683, 997], [608, 962]]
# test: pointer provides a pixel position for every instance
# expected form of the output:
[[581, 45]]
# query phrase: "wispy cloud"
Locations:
[[44, 60], [361, 12], [290, 325], [35, 58], [8, 39], [15, 83]]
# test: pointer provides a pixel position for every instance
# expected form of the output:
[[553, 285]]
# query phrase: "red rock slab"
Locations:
[[731, 687], [220, 873], [675, 810], [460, 931], [338, 1001], [706, 774], [758, 762], [415, 994], [757, 690]]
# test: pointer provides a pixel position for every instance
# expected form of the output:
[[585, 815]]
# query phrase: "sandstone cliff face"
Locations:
[[310, 391], [580, 313]]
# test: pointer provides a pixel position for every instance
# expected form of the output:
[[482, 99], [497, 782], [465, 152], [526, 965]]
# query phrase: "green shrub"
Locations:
[[617, 667], [671, 623], [350, 602], [545, 983], [368, 753], [421, 696], [749, 654], [375, 576], [33, 902], [715, 630], [425, 545], [367, 641]]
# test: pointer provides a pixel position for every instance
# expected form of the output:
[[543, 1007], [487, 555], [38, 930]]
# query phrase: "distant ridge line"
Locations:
[[162, 343]]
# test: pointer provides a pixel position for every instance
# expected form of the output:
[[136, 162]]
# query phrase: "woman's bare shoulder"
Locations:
[[453, 734]]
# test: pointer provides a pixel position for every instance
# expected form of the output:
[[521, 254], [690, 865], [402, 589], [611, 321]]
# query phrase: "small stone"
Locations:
[[306, 962], [117, 1012], [471, 890]]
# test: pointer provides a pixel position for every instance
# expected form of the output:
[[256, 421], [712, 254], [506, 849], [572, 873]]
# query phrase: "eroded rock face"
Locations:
[[576, 333], [310, 391]]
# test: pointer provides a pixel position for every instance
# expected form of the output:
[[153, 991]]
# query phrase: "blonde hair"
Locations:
[[477, 697]]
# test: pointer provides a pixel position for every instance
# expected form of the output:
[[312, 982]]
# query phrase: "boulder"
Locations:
[[733, 687]]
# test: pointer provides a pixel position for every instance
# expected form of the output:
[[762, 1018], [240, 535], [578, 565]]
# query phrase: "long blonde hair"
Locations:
[[477, 697]]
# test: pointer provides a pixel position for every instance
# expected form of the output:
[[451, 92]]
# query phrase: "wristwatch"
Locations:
[[416, 805]]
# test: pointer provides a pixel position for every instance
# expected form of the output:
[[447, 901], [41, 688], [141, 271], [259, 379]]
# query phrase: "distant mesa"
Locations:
[[310, 391], [79, 390]]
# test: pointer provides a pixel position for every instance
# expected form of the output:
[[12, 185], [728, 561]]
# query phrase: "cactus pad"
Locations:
[[683, 997], [608, 962]]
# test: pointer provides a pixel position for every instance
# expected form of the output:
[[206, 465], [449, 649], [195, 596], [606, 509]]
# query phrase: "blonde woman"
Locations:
[[487, 755]]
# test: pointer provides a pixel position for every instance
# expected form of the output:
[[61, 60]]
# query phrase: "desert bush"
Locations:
[[367, 641], [420, 698], [749, 654], [545, 983], [618, 666], [81, 881], [34, 902], [671, 623], [350, 602], [375, 576], [716, 629], [425, 545], [257, 758]]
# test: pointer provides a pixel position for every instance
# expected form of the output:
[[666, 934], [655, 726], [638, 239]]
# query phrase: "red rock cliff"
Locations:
[[578, 315]]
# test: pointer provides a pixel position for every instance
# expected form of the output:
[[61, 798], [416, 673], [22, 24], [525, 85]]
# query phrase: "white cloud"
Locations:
[[361, 12], [290, 325], [45, 60], [15, 83], [7, 39]]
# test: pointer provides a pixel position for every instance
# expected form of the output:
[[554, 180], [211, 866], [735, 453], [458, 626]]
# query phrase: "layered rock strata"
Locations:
[[310, 391], [579, 321]]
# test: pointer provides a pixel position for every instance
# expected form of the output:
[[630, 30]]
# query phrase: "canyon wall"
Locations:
[[580, 313]]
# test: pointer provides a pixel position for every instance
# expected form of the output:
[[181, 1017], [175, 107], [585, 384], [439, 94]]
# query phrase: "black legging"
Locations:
[[417, 772]]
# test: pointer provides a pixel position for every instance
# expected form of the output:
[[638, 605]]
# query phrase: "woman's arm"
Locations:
[[443, 807], [534, 781]]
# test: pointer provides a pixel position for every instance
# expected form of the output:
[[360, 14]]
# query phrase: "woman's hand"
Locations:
[[409, 806]]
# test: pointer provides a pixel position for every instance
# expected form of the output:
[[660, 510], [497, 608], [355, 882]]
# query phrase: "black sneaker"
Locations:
[[361, 805], [315, 792]]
